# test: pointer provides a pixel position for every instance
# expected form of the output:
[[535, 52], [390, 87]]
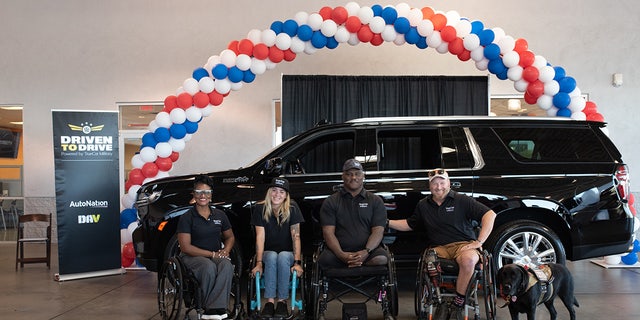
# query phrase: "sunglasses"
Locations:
[[198, 193], [434, 172]]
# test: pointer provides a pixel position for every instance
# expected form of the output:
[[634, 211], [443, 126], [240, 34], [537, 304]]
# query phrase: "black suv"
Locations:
[[559, 186]]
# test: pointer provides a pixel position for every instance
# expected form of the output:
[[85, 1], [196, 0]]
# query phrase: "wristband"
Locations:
[[298, 262], [368, 250]]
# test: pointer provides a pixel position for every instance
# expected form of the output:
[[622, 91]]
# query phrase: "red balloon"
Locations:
[[215, 98], [631, 199], [521, 45], [126, 262], [261, 51], [127, 186], [377, 40], [427, 13], [530, 74], [439, 20], [245, 46], [528, 98], [275, 55], [465, 55], [128, 251], [526, 58], [589, 108], [536, 88], [595, 117], [339, 15], [201, 99], [448, 33], [149, 169], [353, 24], [136, 177], [185, 100], [365, 34], [164, 164], [325, 13], [633, 210], [174, 156], [233, 46], [289, 55], [456, 46], [170, 103]]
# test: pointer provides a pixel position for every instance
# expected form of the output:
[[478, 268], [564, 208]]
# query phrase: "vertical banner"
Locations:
[[85, 145]]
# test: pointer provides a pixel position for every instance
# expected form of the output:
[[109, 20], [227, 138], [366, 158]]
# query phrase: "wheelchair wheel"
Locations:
[[236, 308], [392, 294], [489, 287], [423, 295], [170, 289]]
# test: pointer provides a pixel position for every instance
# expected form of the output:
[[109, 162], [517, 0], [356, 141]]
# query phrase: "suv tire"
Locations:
[[513, 239]]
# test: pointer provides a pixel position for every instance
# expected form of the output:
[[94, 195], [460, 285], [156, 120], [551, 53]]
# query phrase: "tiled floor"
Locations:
[[31, 293]]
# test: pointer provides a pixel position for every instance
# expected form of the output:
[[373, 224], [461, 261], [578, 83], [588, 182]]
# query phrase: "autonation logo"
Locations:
[[89, 204]]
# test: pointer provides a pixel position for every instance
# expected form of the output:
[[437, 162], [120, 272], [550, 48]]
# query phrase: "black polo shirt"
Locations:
[[205, 233], [276, 237], [450, 222], [353, 217]]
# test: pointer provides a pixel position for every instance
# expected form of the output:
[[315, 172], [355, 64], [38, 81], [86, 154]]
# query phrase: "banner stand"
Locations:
[[103, 273]]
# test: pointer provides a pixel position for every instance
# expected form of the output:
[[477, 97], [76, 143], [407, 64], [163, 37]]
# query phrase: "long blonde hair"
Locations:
[[283, 213]]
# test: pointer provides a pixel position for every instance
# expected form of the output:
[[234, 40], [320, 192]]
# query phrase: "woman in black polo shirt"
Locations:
[[205, 238], [277, 224]]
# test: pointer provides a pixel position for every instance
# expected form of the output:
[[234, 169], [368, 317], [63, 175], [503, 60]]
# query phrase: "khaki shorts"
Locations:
[[452, 250]]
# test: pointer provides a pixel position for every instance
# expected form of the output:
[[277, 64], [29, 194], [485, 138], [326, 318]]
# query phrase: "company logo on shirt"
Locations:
[[363, 205], [449, 209], [217, 221]]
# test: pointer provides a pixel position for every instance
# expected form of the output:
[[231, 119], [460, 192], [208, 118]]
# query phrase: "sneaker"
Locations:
[[267, 310], [281, 310], [220, 314]]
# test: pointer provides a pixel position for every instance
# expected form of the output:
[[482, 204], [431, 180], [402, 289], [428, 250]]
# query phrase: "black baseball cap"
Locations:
[[352, 164], [280, 183]]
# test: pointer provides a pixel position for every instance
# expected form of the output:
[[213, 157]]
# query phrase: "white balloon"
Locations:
[[163, 149], [443, 48], [268, 37], [545, 102], [399, 40], [148, 154], [453, 17], [551, 88], [415, 17], [177, 145], [506, 44], [177, 115], [546, 74], [315, 21], [309, 48], [520, 85], [476, 54], [342, 35], [510, 59], [425, 28], [243, 62], [498, 34], [552, 112], [270, 64], [125, 236], [213, 60], [328, 28], [132, 227], [365, 14], [228, 58], [515, 73], [353, 39], [389, 33], [179, 90], [352, 8], [193, 114], [576, 92], [206, 84], [133, 192], [254, 35], [402, 9], [377, 24], [161, 174], [482, 65], [283, 41], [258, 66], [301, 18], [577, 104], [163, 119], [636, 223], [578, 116], [613, 260], [434, 40], [190, 85], [187, 137], [235, 86], [152, 126], [126, 201], [223, 86], [297, 45], [136, 161], [206, 111], [539, 62], [463, 28], [471, 42]]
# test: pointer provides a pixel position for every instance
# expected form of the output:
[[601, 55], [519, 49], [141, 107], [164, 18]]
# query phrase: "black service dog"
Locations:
[[524, 289]]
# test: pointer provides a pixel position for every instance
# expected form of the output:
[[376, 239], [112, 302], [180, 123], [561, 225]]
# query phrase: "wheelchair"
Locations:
[[179, 289], [436, 287], [296, 296], [373, 283]]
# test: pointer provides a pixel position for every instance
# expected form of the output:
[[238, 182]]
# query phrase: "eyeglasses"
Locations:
[[198, 193], [434, 172]]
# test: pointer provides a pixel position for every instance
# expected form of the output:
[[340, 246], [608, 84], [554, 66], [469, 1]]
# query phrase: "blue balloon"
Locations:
[[200, 73], [178, 131], [127, 216], [235, 74], [560, 73], [402, 25], [276, 26], [567, 84], [148, 140], [496, 66], [377, 10], [248, 76], [492, 51], [220, 71], [332, 43], [290, 27], [561, 100], [503, 75], [630, 258], [412, 36], [162, 134], [564, 112], [191, 127], [389, 14], [422, 43], [318, 40], [636, 246], [486, 37], [477, 27], [305, 32]]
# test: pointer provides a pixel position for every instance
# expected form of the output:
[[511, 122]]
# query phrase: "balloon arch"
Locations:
[[447, 32]]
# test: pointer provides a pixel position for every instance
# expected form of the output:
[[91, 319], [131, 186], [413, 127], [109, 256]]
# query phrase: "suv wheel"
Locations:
[[526, 242]]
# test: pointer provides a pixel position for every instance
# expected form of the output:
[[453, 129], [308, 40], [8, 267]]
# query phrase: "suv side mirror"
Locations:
[[273, 167]]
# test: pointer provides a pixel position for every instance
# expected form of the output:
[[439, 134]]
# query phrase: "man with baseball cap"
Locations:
[[447, 218], [353, 221]]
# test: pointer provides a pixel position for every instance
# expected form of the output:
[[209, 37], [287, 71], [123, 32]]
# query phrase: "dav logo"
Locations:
[[88, 218], [85, 127]]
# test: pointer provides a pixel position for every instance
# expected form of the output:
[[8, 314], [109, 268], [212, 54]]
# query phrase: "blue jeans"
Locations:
[[277, 272]]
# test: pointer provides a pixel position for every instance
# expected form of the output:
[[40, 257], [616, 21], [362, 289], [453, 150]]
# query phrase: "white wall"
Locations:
[[90, 54]]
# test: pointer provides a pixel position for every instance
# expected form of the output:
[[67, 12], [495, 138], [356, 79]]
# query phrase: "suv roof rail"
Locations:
[[439, 118]]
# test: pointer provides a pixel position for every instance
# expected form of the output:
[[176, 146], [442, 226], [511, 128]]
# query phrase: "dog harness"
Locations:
[[542, 275]]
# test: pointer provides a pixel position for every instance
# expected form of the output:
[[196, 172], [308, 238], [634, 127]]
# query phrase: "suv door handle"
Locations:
[[456, 185]]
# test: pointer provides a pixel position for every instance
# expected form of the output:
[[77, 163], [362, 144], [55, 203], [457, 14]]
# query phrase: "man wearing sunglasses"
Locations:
[[447, 218]]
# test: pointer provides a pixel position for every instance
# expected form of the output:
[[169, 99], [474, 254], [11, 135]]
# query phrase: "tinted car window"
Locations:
[[312, 156], [456, 152], [557, 145], [408, 149]]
